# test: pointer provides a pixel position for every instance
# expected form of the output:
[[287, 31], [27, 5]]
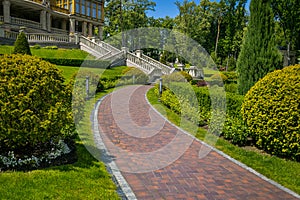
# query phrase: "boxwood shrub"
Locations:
[[35, 106], [271, 111]]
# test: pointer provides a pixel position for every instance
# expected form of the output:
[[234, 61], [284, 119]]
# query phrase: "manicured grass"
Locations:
[[50, 53], [285, 172], [68, 71]]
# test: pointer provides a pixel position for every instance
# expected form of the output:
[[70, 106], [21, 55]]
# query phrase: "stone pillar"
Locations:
[[100, 32], [90, 30], [84, 28], [49, 22], [64, 25], [139, 53], [43, 21], [6, 11], [72, 26]]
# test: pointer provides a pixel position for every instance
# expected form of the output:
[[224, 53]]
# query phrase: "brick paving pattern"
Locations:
[[187, 176]]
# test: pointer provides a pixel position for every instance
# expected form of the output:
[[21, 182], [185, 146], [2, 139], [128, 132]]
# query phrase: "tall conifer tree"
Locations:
[[259, 54]]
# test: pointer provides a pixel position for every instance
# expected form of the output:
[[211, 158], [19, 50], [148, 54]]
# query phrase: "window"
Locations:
[[65, 6], [77, 6], [94, 10], [83, 7], [88, 5], [71, 7], [99, 11]]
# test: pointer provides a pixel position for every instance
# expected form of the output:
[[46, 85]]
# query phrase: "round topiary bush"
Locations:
[[271, 110], [36, 114]]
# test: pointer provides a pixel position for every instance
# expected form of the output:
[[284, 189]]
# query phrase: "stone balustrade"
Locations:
[[59, 31], [38, 37], [140, 62], [164, 68], [109, 47], [25, 22], [96, 47]]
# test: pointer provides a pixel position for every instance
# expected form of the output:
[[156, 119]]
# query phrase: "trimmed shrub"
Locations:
[[271, 111], [22, 45], [231, 77], [219, 77], [133, 75], [35, 106], [187, 76], [231, 87], [79, 62], [174, 77]]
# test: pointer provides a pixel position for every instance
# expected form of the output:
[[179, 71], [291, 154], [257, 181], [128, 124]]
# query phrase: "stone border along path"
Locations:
[[216, 176]]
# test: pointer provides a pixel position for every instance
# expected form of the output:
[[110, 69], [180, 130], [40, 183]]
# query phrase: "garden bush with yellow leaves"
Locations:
[[271, 110], [36, 114]]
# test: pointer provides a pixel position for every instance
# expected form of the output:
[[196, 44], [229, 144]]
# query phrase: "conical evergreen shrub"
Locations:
[[259, 54], [22, 45]]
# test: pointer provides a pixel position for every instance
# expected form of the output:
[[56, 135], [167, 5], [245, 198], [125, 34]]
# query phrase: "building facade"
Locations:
[[85, 17]]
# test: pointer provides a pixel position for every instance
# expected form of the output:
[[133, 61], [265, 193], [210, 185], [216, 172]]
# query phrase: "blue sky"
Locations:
[[167, 8]]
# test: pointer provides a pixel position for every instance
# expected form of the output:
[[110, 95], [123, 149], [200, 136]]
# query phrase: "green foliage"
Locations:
[[271, 111], [231, 87], [174, 77], [133, 75], [22, 45], [36, 46], [187, 76], [51, 47], [259, 54], [35, 105], [78, 62], [235, 131], [219, 78], [231, 77]]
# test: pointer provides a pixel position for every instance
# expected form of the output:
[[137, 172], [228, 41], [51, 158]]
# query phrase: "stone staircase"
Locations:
[[101, 50]]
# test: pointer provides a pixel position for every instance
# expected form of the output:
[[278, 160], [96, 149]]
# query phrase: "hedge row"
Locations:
[[195, 104], [79, 62]]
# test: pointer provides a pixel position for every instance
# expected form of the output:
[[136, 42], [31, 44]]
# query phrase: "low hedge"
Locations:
[[79, 62]]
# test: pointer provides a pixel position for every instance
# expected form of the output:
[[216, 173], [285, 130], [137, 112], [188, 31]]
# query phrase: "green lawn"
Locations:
[[285, 172], [50, 53]]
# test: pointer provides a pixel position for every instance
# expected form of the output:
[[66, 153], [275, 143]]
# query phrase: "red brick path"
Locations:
[[187, 176]]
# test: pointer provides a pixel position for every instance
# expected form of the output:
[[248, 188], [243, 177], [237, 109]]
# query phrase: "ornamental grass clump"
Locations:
[[271, 111], [36, 113]]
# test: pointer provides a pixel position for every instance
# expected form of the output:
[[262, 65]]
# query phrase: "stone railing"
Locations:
[[59, 31], [45, 37], [116, 56], [140, 63], [109, 47], [10, 35], [25, 22], [93, 45], [164, 68]]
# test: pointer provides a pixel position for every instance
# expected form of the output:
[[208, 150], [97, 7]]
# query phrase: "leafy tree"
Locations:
[[126, 14], [287, 13], [22, 45], [259, 54]]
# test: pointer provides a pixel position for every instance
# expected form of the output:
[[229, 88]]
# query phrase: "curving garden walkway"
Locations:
[[152, 159]]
